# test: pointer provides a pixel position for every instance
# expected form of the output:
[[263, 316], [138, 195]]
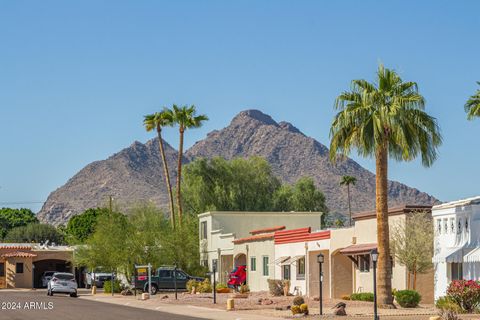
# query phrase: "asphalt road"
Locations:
[[37, 305]]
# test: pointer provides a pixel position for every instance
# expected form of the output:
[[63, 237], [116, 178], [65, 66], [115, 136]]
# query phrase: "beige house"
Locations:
[[218, 230], [22, 264], [350, 260]]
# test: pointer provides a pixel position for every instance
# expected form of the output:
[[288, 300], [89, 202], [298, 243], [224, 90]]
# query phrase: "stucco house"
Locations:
[[22, 264], [219, 229], [456, 242]]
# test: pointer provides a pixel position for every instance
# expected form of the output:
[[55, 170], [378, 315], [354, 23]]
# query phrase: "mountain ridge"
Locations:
[[135, 173]]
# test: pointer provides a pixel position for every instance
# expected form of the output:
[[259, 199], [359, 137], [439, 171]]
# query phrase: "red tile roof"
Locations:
[[267, 230], [9, 246], [258, 237], [19, 254], [300, 235], [363, 248]]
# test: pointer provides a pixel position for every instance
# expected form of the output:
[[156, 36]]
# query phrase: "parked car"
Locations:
[[98, 278], [46, 276], [62, 282], [237, 277], [162, 279]]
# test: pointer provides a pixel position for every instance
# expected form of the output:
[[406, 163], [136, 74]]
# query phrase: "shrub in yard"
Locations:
[[465, 293], [244, 289], [205, 286], [192, 283], [295, 310], [304, 308], [363, 296], [408, 298], [345, 297], [447, 308], [107, 286], [221, 286], [275, 287], [298, 301]]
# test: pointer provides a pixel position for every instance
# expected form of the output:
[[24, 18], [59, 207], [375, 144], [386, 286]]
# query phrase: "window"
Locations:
[[301, 268], [459, 226], [203, 230], [286, 272], [253, 264], [445, 226], [439, 226], [165, 274], [180, 275], [265, 265], [19, 267], [364, 263], [452, 225], [466, 225], [457, 271], [2, 269]]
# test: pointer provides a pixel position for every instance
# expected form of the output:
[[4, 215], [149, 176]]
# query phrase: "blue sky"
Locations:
[[77, 77]]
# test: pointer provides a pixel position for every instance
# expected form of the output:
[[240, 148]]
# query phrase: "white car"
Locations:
[[46, 276], [62, 282]]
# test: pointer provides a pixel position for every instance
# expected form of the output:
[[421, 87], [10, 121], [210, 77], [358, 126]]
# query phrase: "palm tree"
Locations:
[[472, 107], [384, 119], [157, 121], [347, 181], [185, 117]]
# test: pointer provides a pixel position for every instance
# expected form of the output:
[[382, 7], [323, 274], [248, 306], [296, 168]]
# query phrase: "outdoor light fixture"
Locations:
[[321, 260], [374, 255]]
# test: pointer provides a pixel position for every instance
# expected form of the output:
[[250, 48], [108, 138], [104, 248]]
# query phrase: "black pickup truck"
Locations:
[[162, 279]]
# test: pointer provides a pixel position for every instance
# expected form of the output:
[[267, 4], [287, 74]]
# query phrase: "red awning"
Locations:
[[364, 248]]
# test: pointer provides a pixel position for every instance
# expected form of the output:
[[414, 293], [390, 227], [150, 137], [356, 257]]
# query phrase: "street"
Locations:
[[37, 305]]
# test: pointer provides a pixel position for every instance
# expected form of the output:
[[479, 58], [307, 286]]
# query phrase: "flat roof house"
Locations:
[[219, 229], [456, 242]]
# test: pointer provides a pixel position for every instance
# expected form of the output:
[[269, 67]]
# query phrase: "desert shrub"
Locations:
[[205, 286], [304, 308], [192, 283], [448, 309], [107, 286], [465, 293], [298, 301], [363, 296], [244, 289], [345, 297], [221, 286], [275, 287], [295, 310], [408, 298]]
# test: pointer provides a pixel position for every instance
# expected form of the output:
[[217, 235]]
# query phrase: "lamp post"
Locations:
[[374, 254], [321, 260]]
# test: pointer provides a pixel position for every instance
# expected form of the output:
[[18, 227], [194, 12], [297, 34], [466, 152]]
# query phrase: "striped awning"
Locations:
[[472, 256], [451, 255], [282, 260]]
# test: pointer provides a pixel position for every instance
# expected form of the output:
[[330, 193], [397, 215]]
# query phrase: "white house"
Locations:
[[218, 230], [456, 242]]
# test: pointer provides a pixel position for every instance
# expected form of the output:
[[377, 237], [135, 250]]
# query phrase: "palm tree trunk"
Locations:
[[349, 205], [167, 177], [384, 283], [179, 177]]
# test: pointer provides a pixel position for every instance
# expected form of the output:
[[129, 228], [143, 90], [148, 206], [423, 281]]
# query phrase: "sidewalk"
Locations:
[[186, 310]]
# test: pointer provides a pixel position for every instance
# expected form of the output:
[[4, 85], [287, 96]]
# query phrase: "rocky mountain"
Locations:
[[134, 173]]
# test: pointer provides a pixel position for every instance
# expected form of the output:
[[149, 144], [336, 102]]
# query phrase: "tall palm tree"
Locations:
[[185, 117], [157, 121], [384, 119], [347, 181], [472, 107]]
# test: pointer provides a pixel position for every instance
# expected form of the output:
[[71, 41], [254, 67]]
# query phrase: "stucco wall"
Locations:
[[258, 249], [19, 280]]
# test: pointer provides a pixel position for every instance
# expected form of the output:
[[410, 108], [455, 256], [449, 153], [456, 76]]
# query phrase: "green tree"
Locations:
[[384, 119], [235, 185], [34, 232], [412, 243], [185, 117], [157, 121], [306, 197], [472, 107], [81, 227], [347, 181], [11, 218]]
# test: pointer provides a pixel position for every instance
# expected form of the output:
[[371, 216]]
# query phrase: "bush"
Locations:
[[244, 289], [448, 309], [295, 310], [221, 286], [345, 297], [298, 301], [205, 286], [363, 296], [465, 293], [275, 287], [107, 286], [192, 283], [407, 298], [304, 308]]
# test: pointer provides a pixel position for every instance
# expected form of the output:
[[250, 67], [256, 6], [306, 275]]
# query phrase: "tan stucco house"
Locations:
[[22, 264]]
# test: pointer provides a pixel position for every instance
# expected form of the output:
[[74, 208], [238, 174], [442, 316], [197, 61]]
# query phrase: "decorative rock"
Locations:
[[164, 297], [267, 302], [316, 298], [145, 296], [339, 309]]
